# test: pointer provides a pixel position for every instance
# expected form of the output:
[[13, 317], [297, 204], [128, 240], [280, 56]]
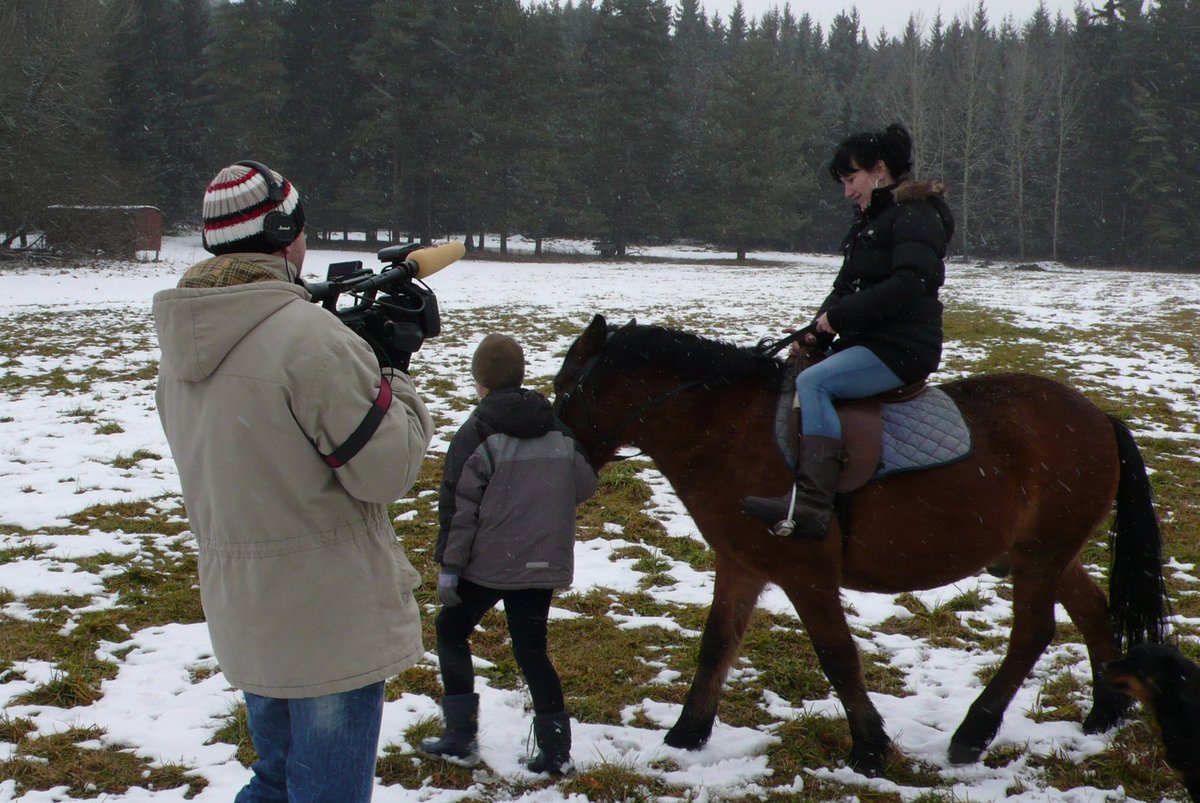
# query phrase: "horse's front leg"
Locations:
[[820, 608], [733, 603]]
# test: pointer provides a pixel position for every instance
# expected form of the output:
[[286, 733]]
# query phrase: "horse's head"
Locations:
[[575, 391], [626, 384]]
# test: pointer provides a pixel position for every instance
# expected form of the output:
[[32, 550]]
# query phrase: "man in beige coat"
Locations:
[[290, 442]]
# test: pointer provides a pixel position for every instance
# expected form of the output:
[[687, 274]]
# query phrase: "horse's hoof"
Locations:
[[962, 753], [866, 762], [1101, 721], [685, 738]]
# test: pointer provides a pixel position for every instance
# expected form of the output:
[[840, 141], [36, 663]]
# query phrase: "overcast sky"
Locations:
[[893, 15]]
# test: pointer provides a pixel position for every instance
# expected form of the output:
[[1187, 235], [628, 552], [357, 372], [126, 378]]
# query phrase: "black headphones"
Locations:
[[279, 227]]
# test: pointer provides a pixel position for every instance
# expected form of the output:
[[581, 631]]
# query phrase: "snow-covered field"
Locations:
[[54, 462]]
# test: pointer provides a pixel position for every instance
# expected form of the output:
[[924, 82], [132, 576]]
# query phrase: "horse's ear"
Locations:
[[592, 339], [632, 322]]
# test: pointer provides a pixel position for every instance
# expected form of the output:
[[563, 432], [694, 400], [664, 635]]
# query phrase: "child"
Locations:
[[512, 478]]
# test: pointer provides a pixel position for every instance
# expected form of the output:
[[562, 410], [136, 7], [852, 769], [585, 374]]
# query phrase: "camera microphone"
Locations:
[[422, 262], [431, 260]]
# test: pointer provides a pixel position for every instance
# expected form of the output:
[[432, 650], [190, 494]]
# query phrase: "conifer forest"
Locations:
[[1076, 139]]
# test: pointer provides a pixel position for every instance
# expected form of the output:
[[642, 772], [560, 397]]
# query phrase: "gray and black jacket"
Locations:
[[512, 478]]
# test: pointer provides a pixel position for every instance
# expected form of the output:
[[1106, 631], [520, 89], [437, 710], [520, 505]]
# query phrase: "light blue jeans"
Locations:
[[851, 374], [314, 749]]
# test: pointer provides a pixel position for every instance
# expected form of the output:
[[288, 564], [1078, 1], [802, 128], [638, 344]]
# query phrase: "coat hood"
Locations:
[[198, 326], [932, 192], [520, 412]]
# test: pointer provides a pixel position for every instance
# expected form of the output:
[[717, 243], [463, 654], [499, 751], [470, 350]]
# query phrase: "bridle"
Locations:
[[611, 441]]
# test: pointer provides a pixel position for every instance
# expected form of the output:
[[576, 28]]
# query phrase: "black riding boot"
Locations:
[[820, 463], [553, 735], [457, 745]]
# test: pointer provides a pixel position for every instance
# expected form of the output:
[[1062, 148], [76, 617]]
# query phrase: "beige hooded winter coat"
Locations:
[[305, 587]]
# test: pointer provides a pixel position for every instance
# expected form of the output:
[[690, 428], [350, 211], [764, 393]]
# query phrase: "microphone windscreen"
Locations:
[[430, 260]]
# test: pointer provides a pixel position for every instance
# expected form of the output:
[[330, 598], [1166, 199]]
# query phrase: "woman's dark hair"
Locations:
[[893, 146]]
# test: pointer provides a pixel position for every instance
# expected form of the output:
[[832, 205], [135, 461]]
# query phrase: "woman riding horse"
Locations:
[[884, 311]]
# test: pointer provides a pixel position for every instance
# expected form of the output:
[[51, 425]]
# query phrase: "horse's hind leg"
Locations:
[[1088, 609], [1033, 628], [733, 603]]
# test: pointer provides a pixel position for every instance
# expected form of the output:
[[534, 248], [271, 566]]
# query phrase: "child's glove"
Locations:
[[447, 588]]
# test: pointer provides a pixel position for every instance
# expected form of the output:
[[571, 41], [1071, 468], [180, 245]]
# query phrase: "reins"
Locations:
[[645, 408], [769, 346]]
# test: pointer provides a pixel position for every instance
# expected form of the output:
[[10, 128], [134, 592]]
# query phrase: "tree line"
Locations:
[[623, 120]]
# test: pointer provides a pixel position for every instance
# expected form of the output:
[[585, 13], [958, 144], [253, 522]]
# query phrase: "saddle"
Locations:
[[912, 427]]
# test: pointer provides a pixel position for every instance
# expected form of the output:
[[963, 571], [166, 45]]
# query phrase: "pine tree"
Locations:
[[246, 85], [1109, 40], [414, 123], [541, 194], [629, 149], [157, 104], [54, 130], [762, 119], [1164, 152], [324, 110]]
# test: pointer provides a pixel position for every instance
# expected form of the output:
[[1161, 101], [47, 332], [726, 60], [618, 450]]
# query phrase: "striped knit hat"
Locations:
[[236, 202]]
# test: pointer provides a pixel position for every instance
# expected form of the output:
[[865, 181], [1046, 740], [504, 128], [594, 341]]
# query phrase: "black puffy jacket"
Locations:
[[885, 296]]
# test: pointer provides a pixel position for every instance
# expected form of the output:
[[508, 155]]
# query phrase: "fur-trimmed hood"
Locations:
[[918, 190]]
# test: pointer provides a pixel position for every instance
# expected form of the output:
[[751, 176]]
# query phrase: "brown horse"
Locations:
[[1046, 469]]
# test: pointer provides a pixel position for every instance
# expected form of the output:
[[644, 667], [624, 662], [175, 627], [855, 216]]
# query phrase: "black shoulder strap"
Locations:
[[359, 437]]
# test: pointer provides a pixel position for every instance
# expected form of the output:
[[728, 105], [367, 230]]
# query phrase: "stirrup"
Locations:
[[782, 528], [787, 525]]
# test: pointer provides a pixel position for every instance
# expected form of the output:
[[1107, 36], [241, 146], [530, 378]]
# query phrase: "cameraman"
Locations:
[[289, 445]]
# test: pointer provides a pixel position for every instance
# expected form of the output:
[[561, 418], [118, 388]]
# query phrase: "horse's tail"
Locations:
[[1137, 594]]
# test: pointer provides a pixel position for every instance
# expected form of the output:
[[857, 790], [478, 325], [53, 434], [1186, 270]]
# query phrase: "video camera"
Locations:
[[393, 310]]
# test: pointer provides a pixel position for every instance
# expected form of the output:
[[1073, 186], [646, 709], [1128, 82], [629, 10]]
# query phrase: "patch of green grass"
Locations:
[[1135, 761], [414, 680], [13, 730], [397, 767], [127, 462], [940, 626], [613, 782], [235, 730], [18, 553], [599, 684], [137, 516], [1060, 699], [620, 499], [61, 691], [42, 763]]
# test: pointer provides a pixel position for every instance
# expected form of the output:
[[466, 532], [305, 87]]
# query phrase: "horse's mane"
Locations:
[[690, 356]]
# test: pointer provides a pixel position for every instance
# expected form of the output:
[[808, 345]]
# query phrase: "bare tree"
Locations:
[[969, 95], [1018, 108], [907, 94], [52, 142], [1066, 96]]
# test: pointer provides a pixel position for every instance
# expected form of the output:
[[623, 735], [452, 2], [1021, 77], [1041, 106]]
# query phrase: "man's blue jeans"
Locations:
[[314, 749], [851, 374]]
